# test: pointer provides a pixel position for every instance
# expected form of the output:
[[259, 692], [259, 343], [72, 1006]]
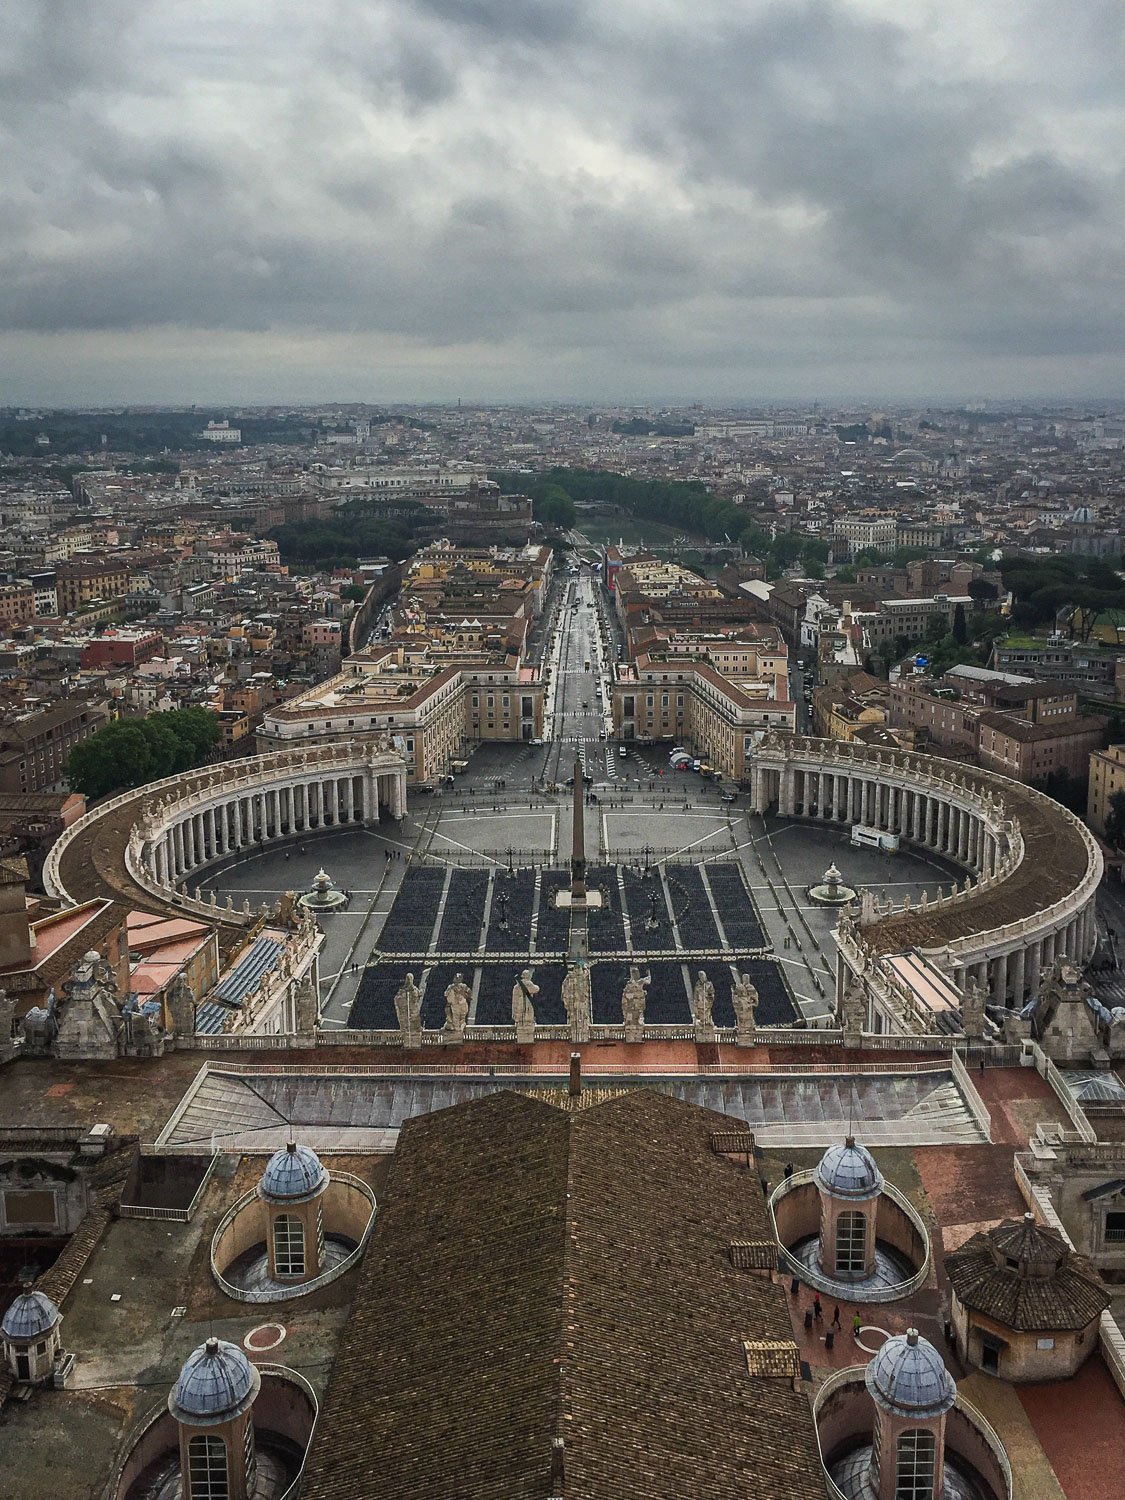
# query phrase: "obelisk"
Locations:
[[578, 837]]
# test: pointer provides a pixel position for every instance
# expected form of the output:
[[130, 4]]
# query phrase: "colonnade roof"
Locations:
[[1055, 860]]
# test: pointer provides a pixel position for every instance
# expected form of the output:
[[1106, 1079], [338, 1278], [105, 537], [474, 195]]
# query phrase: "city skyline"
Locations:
[[741, 203]]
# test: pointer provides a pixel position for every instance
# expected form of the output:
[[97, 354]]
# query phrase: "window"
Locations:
[[914, 1472], [1115, 1228], [288, 1245], [249, 1457], [207, 1468], [851, 1243]]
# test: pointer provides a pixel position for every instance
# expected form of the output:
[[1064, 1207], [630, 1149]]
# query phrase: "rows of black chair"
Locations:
[[410, 923]]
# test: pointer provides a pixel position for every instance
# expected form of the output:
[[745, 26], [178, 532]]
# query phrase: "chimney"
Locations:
[[575, 1087]]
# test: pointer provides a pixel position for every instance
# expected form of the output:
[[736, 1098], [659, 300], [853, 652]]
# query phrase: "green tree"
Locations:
[[935, 627], [133, 752], [1115, 821], [960, 625], [116, 757], [981, 592]]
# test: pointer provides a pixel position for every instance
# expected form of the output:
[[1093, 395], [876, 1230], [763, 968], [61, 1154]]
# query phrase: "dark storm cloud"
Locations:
[[731, 196]]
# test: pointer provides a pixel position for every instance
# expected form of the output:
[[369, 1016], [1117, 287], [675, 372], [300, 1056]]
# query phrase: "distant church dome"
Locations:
[[292, 1174], [30, 1315], [908, 1377], [849, 1171], [217, 1382]]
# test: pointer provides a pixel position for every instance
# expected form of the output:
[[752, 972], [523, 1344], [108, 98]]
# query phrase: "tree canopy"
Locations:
[[1079, 588], [133, 752]]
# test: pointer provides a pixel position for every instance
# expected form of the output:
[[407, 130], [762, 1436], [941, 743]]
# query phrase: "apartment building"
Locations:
[[1031, 751], [1107, 777], [853, 533], [1093, 670], [17, 604], [910, 618], [34, 746], [717, 708], [76, 583], [854, 705], [435, 709]]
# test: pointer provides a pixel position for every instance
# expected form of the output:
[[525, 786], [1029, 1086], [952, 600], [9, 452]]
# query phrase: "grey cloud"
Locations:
[[776, 190]]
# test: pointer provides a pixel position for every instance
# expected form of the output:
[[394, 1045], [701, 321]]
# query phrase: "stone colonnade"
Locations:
[[213, 825], [955, 825], [960, 816]]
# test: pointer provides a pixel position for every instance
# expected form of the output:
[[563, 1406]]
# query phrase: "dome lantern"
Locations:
[[30, 1337], [211, 1402], [849, 1183], [292, 1188]]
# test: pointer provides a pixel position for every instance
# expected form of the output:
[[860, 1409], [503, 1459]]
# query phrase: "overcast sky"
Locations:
[[669, 199]]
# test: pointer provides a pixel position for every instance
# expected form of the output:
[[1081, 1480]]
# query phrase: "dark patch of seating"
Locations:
[[494, 1001], [463, 916], [553, 932], [518, 892], [606, 926], [693, 912], [735, 906], [410, 923], [639, 891]]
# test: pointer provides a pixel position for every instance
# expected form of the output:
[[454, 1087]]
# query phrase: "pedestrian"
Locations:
[[765, 1187], [788, 1170], [856, 1326], [818, 1310], [836, 1317]]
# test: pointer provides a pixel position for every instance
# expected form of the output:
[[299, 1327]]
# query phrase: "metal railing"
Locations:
[[821, 1281], [291, 1290], [173, 1215]]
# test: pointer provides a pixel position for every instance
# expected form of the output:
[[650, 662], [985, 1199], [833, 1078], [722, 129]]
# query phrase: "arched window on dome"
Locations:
[[915, 1457], [208, 1478], [288, 1245], [851, 1243]]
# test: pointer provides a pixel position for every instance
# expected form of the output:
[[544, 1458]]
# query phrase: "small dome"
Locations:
[[849, 1171], [292, 1174], [217, 1382], [908, 1377], [30, 1316]]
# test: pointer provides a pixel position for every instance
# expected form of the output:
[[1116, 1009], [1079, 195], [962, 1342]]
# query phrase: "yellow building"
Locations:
[[1107, 775]]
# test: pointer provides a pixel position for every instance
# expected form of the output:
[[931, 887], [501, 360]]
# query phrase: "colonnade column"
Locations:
[[1034, 961], [1018, 958], [1000, 979]]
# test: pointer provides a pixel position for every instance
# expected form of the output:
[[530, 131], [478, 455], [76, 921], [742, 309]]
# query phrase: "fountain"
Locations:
[[323, 896], [831, 891]]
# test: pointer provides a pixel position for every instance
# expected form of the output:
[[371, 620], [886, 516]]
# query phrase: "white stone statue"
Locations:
[[633, 998], [852, 1014], [458, 998], [524, 992], [744, 998], [703, 1003], [408, 1010], [972, 1009], [305, 1004], [577, 999]]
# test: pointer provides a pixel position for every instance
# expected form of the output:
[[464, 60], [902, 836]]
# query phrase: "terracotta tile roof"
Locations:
[[536, 1274], [1025, 1276]]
